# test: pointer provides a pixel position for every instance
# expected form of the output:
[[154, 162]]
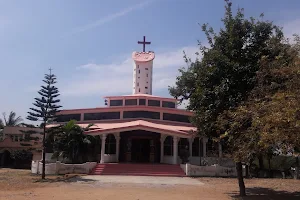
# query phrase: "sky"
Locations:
[[88, 44]]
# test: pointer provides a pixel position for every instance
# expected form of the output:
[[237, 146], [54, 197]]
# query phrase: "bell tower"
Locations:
[[143, 70]]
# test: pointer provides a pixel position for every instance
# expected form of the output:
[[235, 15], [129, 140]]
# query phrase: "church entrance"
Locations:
[[140, 150], [139, 146]]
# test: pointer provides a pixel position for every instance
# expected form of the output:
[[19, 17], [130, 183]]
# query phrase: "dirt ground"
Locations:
[[21, 185]]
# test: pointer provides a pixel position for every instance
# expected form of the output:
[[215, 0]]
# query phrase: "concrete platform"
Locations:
[[144, 180]]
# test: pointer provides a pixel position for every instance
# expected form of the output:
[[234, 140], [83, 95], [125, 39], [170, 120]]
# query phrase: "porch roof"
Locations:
[[102, 128]]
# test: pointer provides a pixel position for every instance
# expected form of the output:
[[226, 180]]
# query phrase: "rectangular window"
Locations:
[[138, 66], [146, 87], [142, 102], [101, 116], [146, 68], [154, 103], [66, 118], [130, 102], [176, 117], [116, 102], [139, 71], [168, 104], [141, 114], [137, 84], [147, 75]]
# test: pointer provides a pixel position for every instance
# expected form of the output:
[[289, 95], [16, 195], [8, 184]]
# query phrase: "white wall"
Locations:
[[142, 77], [218, 171], [61, 168]]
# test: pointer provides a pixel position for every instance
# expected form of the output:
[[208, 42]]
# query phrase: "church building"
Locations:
[[141, 127]]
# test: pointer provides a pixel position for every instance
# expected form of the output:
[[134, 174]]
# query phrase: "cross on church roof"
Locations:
[[144, 43]]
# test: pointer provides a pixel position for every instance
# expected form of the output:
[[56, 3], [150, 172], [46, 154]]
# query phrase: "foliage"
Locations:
[[269, 118], [228, 68], [71, 142], [11, 120], [21, 155], [243, 90], [45, 107]]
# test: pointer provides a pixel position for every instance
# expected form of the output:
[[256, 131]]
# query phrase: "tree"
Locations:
[[71, 142], [12, 120], [272, 110], [45, 108], [21, 157], [224, 78]]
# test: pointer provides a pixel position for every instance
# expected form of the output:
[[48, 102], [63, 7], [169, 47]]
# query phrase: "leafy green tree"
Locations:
[[224, 78], [45, 108], [21, 157], [271, 110], [71, 142], [11, 120]]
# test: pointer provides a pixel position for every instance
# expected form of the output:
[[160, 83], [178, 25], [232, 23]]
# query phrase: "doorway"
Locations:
[[140, 150]]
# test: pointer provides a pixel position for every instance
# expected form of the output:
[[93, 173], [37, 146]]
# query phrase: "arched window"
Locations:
[[110, 144], [182, 144], [168, 146]]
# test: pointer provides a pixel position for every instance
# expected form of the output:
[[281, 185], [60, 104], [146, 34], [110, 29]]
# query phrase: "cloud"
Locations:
[[116, 78], [108, 18]]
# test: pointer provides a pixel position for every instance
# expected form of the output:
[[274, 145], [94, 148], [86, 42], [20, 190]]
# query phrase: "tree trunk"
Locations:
[[44, 152], [239, 170]]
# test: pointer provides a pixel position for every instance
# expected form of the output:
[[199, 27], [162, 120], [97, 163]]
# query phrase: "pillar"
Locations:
[[103, 139], [175, 149], [204, 140], [162, 140], [220, 150], [117, 147], [191, 140], [82, 117]]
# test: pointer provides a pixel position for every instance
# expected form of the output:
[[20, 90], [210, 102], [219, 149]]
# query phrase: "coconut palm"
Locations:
[[12, 120], [69, 141]]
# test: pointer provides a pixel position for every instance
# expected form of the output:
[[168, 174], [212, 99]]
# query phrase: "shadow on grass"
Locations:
[[260, 193], [64, 179]]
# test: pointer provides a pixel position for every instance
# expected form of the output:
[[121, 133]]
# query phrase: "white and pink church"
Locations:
[[140, 134], [141, 127]]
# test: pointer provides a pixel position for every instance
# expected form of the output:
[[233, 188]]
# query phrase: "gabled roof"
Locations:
[[105, 128]]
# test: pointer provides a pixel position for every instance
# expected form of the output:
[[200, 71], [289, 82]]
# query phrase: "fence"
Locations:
[[62, 168], [214, 170]]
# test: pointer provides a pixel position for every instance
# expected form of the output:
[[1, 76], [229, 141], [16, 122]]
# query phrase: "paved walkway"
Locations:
[[144, 180]]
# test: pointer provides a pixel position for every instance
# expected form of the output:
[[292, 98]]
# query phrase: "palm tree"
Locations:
[[12, 120], [69, 141]]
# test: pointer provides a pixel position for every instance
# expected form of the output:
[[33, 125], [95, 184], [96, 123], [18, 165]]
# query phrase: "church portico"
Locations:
[[143, 146]]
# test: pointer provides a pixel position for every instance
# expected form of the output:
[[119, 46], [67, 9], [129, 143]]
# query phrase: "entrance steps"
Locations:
[[138, 169]]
